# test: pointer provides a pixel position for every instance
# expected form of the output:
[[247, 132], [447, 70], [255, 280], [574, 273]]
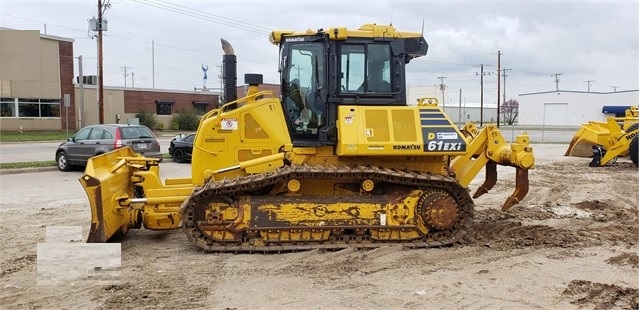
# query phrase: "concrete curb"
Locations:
[[27, 170]]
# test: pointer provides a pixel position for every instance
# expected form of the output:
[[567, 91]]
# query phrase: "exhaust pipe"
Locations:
[[229, 73]]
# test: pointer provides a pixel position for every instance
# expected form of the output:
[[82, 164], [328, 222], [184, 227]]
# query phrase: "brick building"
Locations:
[[122, 104], [36, 71], [37, 75]]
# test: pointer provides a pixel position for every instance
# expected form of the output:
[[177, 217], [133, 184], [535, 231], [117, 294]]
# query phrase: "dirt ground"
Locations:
[[572, 243]]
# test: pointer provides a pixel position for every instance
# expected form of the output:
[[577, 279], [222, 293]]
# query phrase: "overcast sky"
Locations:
[[583, 41]]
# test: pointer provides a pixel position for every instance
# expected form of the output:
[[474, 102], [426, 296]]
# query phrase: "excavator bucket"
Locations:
[[589, 135], [107, 180]]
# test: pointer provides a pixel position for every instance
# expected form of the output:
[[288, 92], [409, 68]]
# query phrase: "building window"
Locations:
[[7, 107], [23, 107], [200, 106], [49, 108], [163, 107]]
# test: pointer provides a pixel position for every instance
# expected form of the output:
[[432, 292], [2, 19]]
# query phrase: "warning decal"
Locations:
[[229, 124]]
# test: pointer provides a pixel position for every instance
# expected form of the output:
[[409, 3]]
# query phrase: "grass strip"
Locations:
[[28, 164]]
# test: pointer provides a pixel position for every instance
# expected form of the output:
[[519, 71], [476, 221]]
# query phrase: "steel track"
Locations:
[[252, 183]]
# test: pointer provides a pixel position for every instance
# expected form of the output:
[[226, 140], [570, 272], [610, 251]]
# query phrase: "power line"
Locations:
[[129, 39], [175, 8]]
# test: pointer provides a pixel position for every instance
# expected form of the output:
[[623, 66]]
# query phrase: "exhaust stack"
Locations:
[[229, 72]]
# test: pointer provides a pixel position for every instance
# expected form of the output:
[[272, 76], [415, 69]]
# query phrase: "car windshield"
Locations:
[[136, 132]]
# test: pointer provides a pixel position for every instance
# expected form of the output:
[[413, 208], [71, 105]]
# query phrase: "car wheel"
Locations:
[[63, 163], [179, 156]]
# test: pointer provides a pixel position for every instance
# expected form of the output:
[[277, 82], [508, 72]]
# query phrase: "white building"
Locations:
[[573, 108], [458, 112]]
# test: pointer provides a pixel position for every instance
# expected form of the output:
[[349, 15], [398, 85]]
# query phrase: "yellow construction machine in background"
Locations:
[[340, 160], [605, 141]]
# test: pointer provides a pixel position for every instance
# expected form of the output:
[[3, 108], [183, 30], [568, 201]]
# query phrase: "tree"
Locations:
[[510, 110]]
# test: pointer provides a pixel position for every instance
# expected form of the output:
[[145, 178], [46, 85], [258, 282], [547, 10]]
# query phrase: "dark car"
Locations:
[[181, 148], [98, 139]]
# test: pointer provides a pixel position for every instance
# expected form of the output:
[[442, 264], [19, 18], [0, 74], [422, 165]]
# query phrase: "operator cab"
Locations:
[[322, 70]]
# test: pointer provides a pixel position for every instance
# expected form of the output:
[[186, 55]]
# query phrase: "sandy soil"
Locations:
[[572, 243]]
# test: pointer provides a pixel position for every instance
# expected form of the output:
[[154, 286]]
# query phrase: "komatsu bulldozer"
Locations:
[[606, 141], [339, 160]]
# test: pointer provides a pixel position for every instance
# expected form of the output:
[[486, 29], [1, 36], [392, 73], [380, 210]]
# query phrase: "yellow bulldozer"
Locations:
[[339, 160], [606, 141]]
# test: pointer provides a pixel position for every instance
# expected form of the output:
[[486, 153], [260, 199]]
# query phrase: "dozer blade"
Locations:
[[588, 136], [491, 179], [521, 189], [107, 180]]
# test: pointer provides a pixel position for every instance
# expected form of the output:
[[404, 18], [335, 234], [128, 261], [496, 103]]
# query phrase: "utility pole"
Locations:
[[504, 75], [100, 71], [614, 88], [125, 74], [460, 112], [153, 62], [81, 82], [589, 82], [557, 75], [481, 96], [132, 79], [498, 81], [98, 25], [442, 87]]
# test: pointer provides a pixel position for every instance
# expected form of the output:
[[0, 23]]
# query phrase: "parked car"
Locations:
[[181, 148], [97, 139]]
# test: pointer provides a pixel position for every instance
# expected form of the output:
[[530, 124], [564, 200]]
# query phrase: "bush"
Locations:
[[174, 124], [147, 119], [160, 126], [187, 120]]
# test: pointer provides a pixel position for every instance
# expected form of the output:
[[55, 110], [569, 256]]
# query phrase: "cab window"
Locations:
[[304, 80], [365, 68]]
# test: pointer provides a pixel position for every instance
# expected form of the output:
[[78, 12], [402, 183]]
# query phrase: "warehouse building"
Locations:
[[573, 108]]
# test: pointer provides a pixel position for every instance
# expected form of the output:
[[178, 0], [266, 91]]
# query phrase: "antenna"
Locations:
[[391, 19]]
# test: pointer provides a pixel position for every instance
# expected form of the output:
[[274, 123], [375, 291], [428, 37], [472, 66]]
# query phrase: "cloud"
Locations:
[[583, 40]]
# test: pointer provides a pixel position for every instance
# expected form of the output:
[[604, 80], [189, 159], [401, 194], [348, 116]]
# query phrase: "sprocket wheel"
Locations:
[[439, 210]]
